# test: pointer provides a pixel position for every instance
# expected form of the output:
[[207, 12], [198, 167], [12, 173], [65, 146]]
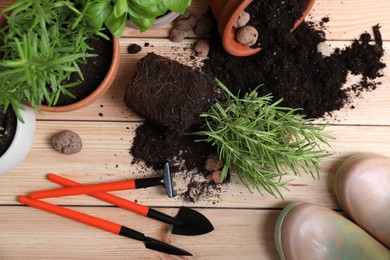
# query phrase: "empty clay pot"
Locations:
[[226, 13]]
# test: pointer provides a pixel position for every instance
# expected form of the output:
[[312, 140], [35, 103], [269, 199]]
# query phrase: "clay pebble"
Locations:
[[177, 35], [202, 48], [243, 19], [247, 35], [203, 27], [67, 142]]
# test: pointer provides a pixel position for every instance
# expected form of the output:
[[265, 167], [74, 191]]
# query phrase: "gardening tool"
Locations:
[[187, 222], [165, 180], [112, 227]]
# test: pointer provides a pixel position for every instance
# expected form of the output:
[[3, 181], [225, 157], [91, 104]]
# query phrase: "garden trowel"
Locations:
[[187, 222]]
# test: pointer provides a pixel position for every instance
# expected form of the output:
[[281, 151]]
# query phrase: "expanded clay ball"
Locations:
[[243, 19], [203, 27], [67, 142], [247, 35], [177, 35], [186, 24], [213, 162], [202, 48]]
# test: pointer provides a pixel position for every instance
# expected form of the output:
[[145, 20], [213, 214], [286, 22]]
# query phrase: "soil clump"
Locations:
[[169, 94]]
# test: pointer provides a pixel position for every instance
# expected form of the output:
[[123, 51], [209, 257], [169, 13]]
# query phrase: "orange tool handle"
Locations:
[[125, 204], [84, 189], [72, 214]]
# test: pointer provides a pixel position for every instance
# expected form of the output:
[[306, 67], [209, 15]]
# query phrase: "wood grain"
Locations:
[[244, 221], [105, 157], [40, 235]]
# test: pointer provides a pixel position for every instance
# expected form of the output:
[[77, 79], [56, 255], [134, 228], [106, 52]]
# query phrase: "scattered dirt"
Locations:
[[8, 123], [156, 147], [292, 68]]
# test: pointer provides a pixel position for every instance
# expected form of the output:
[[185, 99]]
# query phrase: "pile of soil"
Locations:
[[94, 71], [8, 123], [169, 94], [155, 147], [293, 69]]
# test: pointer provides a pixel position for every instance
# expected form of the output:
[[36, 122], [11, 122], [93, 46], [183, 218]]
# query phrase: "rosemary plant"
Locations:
[[43, 43], [263, 140]]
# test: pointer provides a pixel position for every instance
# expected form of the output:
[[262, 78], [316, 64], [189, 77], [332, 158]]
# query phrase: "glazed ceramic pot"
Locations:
[[21, 144], [99, 91], [159, 22], [226, 12]]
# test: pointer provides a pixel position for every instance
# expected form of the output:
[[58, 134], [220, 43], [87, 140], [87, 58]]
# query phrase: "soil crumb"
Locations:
[[134, 48]]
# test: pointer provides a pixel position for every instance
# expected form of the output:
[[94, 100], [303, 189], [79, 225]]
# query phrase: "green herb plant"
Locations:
[[263, 140], [115, 13], [43, 43]]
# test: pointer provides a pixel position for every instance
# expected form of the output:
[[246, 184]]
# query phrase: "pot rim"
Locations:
[[232, 13], [22, 141], [99, 91]]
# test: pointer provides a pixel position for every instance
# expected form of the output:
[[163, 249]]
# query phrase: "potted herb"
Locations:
[[116, 14], [263, 140], [227, 12], [46, 45], [16, 136]]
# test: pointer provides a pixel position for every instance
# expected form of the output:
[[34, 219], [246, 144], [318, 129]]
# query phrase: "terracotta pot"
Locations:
[[159, 22], [226, 13], [21, 144], [99, 91]]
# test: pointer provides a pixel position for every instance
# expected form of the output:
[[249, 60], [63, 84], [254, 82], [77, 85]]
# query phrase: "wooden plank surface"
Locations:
[[39, 235], [244, 221], [105, 157]]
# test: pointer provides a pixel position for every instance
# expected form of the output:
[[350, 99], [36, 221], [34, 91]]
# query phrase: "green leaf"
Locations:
[[120, 8], [116, 25], [143, 24], [98, 12], [177, 6]]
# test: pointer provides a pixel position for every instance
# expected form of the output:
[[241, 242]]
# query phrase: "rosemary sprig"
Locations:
[[263, 140]]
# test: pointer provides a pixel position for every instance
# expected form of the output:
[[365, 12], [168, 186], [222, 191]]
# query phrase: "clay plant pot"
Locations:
[[21, 144], [226, 12], [99, 91], [159, 22]]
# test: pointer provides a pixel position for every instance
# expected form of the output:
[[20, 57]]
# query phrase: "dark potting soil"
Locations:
[[274, 19], [94, 71], [292, 68], [169, 94], [134, 48], [8, 123], [155, 147]]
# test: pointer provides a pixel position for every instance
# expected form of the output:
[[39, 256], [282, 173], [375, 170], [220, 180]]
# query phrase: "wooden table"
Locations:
[[244, 222]]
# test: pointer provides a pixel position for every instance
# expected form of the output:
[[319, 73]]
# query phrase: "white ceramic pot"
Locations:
[[23, 139], [159, 22]]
